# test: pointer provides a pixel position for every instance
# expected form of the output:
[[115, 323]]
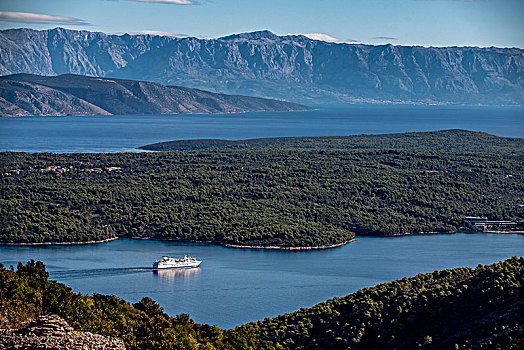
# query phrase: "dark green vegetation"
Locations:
[[446, 140], [481, 308], [27, 293], [34, 95], [264, 196]]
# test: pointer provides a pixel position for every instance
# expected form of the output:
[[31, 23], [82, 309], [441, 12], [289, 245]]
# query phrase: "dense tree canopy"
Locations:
[[480, 308], [313, 196], [454, 140]]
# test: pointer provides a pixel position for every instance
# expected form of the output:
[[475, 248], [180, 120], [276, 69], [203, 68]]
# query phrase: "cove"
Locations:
[[235, 286]]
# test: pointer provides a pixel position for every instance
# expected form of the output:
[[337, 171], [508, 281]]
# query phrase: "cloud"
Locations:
[[385, 37], [327, 38], [28, 17], [155, 32], [171, 2]]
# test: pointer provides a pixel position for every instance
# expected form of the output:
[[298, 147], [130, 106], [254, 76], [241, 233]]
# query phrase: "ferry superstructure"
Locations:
[[186, 262]]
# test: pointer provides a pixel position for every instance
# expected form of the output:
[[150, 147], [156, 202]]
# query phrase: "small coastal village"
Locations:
[[59, 170]]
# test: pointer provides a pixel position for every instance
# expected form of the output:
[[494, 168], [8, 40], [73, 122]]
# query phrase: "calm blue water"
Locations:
[[124, 133], [234, 286]]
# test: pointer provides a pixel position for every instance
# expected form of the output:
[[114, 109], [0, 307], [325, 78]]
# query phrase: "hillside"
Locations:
[[458, 308], [28, 293], [294, 68], [33, 95], [269, 196], [474, 308]]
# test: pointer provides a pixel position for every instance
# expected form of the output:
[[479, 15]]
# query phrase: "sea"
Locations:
[[235, 286], [123, 133]]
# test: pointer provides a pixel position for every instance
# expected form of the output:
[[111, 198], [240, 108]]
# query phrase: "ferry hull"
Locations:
[[176, 266]]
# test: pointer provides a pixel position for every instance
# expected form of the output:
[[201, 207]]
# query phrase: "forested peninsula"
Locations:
[[477, 308], [277, 195]]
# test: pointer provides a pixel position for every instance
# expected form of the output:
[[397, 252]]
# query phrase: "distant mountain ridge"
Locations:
[[263, 64], [68, 94]]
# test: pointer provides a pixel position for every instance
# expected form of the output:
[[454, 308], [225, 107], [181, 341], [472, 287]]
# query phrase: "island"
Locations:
[[286, 193], [78, 95]]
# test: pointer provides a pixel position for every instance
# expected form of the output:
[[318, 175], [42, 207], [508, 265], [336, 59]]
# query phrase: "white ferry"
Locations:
[[170, 263]]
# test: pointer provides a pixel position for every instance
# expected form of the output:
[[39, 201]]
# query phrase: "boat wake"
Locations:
[[75, 274]]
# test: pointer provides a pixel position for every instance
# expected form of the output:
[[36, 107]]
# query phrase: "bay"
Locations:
[[123, 133], [235, 286]]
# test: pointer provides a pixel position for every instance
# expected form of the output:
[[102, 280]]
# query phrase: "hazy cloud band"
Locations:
[[172, 2], [28, 17], [384, 38]]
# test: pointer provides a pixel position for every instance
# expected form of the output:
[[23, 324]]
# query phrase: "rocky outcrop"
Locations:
[[294, 68], [33, 95], [52, 332]]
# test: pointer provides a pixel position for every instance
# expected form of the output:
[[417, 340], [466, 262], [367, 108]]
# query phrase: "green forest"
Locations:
[[479, 308], [454, 140], [460, 308], [270, 196]]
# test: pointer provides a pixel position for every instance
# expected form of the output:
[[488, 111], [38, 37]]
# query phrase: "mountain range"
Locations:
[[263, 64], [68, 94]]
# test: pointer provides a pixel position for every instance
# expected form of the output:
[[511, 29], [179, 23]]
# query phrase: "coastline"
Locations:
[[230, 245], [167, 114], [177, 240], [520, 232], [60, 243], [285, 248]]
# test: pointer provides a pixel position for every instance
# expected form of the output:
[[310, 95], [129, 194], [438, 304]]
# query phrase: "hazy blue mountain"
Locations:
[[68, 94], [287, 67]]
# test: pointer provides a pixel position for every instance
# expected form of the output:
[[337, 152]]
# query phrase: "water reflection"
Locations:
[[171, 275]]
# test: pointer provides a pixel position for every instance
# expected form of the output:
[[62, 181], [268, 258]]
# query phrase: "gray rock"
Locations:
[[263, 64], [52, 332], [33, 95]]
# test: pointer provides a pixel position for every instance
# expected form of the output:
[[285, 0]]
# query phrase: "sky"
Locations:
[[400, 22]]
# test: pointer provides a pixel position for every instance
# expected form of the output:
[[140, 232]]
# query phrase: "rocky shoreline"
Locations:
[[285, 248], [178, 240], [230, 245], [60, 243]]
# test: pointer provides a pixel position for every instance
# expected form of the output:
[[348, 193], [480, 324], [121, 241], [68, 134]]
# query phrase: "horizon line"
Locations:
[[176, 36]]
